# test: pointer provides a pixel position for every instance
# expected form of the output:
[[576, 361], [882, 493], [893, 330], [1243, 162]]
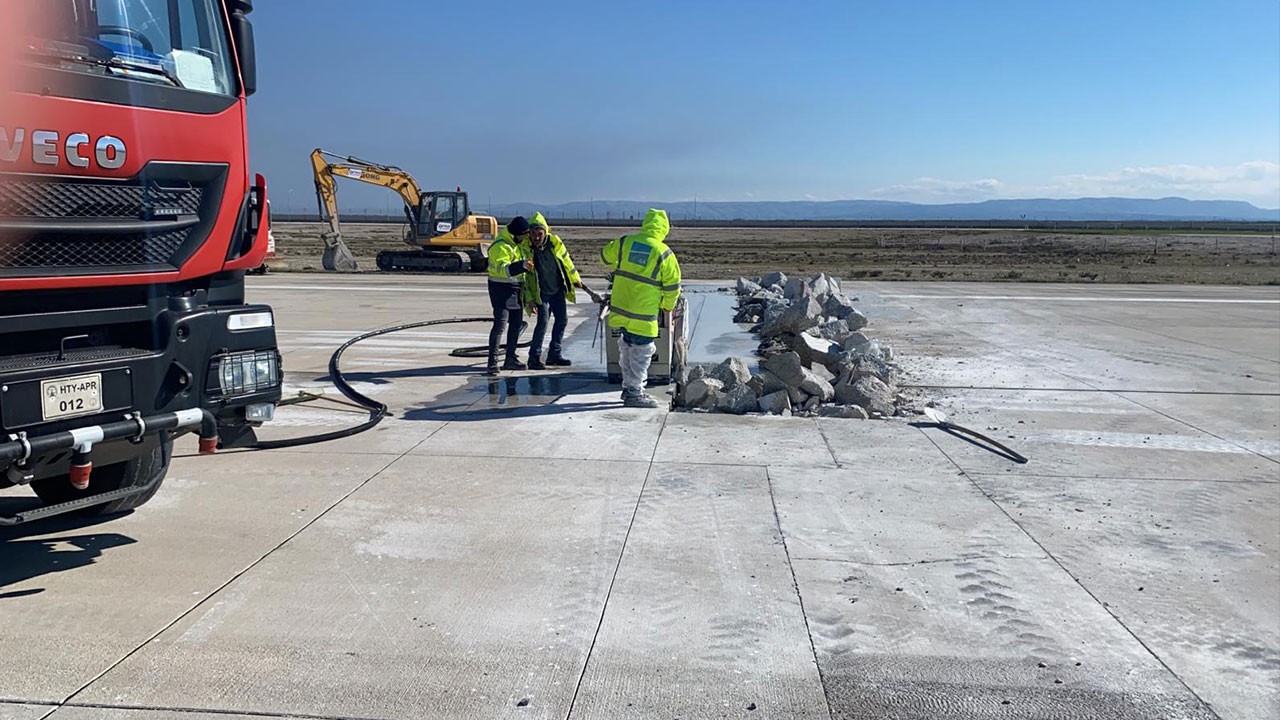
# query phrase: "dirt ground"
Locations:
[[889, 254]]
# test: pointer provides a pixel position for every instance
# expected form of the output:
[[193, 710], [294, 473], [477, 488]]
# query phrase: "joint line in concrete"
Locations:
[[1076, 580], [795, 585], [622, 552]]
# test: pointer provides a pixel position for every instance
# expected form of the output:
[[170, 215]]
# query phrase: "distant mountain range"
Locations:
[[1113, 208]]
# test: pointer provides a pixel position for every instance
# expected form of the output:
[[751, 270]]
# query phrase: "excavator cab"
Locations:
[[441, 212]]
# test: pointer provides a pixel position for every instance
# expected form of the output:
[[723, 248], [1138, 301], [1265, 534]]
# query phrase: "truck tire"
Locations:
[[138, 471]]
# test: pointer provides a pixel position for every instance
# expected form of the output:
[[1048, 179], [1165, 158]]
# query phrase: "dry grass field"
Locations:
[[891, 254]]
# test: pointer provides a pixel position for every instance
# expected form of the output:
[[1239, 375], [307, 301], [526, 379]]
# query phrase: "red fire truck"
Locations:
[[128, 219]]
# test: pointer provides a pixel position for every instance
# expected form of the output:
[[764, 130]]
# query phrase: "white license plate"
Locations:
[[71, 396]]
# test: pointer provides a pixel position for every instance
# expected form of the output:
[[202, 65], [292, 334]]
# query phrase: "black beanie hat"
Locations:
[[518, 226]]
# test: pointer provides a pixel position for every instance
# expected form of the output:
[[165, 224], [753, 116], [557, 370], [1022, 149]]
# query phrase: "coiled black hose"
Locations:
[[377, 410]]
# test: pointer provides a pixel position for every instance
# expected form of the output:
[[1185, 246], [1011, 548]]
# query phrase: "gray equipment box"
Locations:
[[669, 356]]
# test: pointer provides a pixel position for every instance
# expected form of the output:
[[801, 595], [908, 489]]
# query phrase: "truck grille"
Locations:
[[86, 200], [68, 226]]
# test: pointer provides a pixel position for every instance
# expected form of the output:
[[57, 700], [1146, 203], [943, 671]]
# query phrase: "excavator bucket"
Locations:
[[337, 257]]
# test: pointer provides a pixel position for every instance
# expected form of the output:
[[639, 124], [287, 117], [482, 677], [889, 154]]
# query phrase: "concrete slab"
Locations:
[[703, 620], [882, 449], [78, 596], [16, 711], [572, 430], [889, 517], [101, 713], [979, 638], [1189, 567], [1090, 435], [745, 440], [462, 588], [1251, 421]]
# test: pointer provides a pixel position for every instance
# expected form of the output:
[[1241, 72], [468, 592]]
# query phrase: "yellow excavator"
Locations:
[[445, 236]]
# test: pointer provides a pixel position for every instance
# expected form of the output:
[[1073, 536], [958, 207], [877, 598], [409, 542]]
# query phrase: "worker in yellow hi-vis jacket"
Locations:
[[646, 281]]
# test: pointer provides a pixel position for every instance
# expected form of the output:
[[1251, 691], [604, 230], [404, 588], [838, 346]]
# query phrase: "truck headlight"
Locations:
[[244, 373]]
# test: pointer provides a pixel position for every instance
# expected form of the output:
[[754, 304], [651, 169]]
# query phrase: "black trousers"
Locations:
[[505, 300], [555, 306]]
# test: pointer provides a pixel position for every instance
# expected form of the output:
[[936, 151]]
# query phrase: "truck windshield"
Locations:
[[174, 42]]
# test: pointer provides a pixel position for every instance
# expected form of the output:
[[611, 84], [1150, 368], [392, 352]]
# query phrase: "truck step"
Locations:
[[89, 501]]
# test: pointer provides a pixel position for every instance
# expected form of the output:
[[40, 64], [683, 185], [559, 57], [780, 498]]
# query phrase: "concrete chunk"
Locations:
[[854, 367], [848, 412], [776, 403], [834, 329], [797, 289], [819, 286], [697, 393], [855, 342], [696, 372], [731, 373], [798, 397], [739, 400], [816, 386], [787, 367], [747, 287], [868, 393], [801, 316], [773, 278], [817, 351]]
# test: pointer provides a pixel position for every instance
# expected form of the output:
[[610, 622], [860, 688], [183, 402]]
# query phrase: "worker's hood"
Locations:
[[656, 224], [505, 234], [538, 219]]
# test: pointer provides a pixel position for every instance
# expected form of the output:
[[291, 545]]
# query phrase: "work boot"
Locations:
[[559, 361], [535, 363], [513, 363], [639, 400], [492, 369]]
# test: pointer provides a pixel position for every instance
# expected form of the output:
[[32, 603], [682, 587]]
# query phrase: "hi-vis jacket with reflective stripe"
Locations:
[[646, 276], [568, 273], [504, 251], [507, 254]]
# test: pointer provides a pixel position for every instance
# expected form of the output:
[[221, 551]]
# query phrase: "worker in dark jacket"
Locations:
[[554, 281], [510, 273]]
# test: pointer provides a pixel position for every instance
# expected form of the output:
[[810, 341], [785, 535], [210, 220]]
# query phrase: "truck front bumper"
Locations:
[[222, 360]]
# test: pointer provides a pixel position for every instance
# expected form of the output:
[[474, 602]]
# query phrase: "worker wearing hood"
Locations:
[[553, 281], [646, 282]]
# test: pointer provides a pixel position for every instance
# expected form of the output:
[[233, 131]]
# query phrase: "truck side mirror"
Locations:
[[242, 36]]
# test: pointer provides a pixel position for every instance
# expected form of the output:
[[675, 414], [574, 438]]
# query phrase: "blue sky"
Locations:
[[927, 101]]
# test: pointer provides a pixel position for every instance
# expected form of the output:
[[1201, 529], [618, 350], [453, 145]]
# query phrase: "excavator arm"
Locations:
[[327, 167]]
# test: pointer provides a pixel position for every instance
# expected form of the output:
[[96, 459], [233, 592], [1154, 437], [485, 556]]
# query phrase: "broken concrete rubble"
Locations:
[[776, 403], [812, 352], [740, 400], [731, 373]]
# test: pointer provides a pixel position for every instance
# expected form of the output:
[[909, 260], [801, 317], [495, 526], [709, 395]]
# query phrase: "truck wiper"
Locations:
[[156, 70], [99, 56]]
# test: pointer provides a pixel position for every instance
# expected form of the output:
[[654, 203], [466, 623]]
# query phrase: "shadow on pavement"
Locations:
[[517, 396], [58, 550]]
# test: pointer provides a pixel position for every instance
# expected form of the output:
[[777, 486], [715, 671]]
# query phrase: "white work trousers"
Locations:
[[634, 361]]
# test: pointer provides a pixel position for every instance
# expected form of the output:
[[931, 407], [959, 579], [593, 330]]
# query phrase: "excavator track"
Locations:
[[417, 261]]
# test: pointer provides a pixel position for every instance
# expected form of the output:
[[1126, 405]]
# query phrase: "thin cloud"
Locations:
[[1257, 181], [935, 190]]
